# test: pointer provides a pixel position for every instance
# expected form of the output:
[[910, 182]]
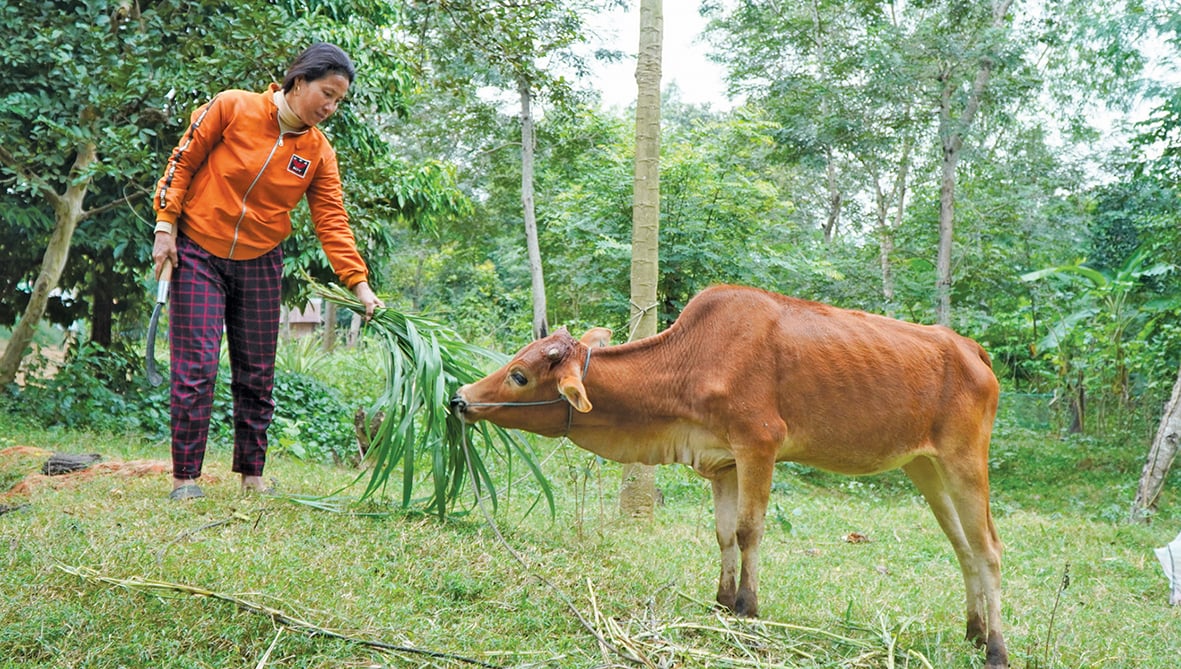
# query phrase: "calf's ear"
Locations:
[[596, 337], [572, 389]]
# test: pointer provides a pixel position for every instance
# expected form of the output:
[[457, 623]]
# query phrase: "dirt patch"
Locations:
[[17, 460], [22, 452]]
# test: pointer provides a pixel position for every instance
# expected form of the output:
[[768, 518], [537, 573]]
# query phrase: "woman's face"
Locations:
[[314, 101]]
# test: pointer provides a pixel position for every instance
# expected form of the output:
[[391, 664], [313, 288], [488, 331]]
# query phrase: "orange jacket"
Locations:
[[233, 179]]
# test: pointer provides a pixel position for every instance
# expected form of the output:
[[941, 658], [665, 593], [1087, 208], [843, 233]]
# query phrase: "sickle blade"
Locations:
[[154, 376]]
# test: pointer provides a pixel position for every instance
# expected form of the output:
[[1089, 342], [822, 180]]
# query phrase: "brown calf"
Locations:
[[746, 378]]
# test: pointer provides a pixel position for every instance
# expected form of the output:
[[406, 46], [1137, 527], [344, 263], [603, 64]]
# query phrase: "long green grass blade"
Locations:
[[425, 363]]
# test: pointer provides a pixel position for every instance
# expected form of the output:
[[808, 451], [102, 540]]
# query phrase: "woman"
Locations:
[[222, 208]]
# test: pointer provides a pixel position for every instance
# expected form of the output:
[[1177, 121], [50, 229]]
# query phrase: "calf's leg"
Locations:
[[740, 504], [725, 489], [754, 489], [959, 499]]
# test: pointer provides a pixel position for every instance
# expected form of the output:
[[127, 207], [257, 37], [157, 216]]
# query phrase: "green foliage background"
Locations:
[[1068, 233]]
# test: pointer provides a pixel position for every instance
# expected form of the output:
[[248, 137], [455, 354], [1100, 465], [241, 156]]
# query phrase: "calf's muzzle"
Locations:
[[458, 404]]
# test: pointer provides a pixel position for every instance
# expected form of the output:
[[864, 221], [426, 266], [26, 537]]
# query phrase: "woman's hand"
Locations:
[[164, 248], [364, 293]]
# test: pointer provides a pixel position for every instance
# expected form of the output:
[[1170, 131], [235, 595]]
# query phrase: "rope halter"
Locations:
[[559, 398]]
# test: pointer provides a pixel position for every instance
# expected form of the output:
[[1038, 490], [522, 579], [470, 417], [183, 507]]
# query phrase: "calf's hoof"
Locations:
[[747, 606], [996, 656], [726, 599]]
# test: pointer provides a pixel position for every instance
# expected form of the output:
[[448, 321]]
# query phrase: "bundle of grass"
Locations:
[[425, 362]]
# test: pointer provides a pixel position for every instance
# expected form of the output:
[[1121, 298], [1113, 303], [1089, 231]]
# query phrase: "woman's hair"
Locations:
[[319, 60]]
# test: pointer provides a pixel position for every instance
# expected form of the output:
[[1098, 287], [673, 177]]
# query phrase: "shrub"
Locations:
[[105, 390], [96, 388]]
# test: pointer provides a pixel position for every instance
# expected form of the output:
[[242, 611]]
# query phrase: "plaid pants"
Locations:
[[210, 295]]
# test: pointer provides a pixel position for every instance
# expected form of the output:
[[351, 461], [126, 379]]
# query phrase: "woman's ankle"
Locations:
[[253, 483]]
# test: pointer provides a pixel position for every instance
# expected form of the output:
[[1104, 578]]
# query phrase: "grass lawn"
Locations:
[[104, 571]]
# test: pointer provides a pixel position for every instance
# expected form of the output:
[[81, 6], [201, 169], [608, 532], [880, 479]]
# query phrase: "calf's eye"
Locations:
[[518, 378]]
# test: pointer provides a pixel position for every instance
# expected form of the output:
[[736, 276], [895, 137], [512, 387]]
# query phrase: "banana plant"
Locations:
[[1107, 311]]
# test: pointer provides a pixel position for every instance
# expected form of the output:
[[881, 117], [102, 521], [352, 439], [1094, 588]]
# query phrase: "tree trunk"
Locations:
[[1160, 458], [951, 135], [328, 340], [951, 152], [540, 326], [1078, 406], [885, 251], [67, 211], [101, 306], [354, 330], [833, 220], [637, 494], [886, 240]]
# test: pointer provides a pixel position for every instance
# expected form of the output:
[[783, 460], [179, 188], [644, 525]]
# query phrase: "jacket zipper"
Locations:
[[242, 216]]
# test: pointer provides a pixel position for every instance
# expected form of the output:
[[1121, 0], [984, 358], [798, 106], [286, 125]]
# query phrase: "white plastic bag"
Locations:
[[1170, 559]]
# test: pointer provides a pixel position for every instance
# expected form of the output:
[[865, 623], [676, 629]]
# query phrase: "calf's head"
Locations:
[[537, 390]]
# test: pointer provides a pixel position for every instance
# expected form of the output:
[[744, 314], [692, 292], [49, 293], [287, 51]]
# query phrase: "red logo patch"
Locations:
[[298, 166]]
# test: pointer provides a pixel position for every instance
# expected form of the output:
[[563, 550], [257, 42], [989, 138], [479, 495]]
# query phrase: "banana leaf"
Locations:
[[425, 363]]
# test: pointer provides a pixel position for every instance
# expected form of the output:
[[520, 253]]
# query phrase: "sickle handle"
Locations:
[[164, 282]]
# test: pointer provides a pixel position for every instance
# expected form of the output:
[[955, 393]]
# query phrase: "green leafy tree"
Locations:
[[975, 49], [1161, 137], [75, 86], [96, 95], [721, 198], [848, 83], [523, 47], [835, 78], [586, 214]]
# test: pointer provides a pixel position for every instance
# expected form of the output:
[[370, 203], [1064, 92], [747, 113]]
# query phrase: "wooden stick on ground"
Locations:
[[277, 616]]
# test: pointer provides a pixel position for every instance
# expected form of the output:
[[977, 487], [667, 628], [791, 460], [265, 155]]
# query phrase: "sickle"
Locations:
[[154, 376]]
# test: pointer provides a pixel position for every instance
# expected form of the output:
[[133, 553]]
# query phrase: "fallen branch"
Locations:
[[276, 616], [66, 463]]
